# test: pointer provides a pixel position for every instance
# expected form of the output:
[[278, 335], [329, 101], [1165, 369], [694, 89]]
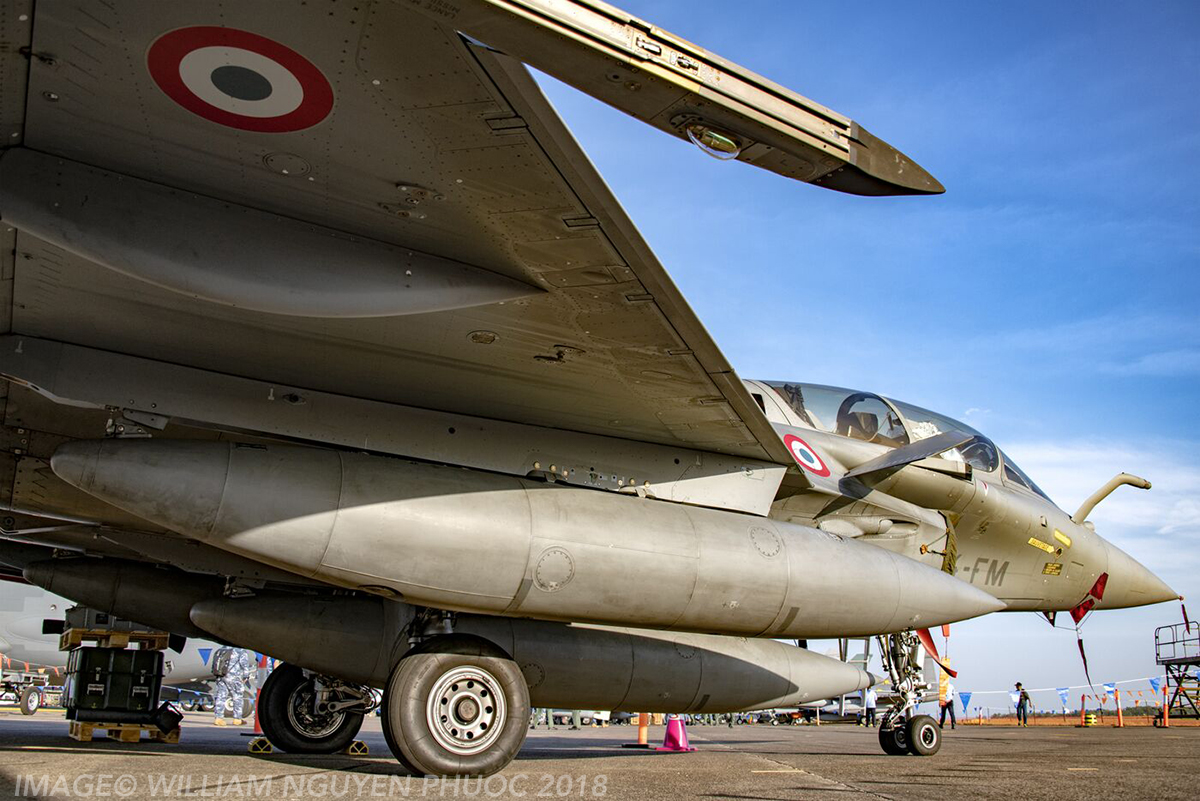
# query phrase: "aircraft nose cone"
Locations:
[[1130, 583]]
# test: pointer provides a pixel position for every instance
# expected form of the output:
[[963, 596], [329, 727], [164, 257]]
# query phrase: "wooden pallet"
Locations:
[[106, 638], [122, 732]]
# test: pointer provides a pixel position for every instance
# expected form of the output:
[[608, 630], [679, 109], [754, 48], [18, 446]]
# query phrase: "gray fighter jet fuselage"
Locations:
[[922, 484]]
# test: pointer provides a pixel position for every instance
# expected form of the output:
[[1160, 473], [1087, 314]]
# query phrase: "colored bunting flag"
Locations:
[[966, 701], [1063, 692], [1155, 685]]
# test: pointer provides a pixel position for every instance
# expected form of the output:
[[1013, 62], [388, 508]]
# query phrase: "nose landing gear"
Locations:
[[902, 731]]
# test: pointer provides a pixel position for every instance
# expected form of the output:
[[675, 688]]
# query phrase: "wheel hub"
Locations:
[[466, 710], [304, 718]]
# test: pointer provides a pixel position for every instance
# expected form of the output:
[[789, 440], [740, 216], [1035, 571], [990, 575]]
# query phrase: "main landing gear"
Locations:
[[303, 713], [456, 706], [902, 731]]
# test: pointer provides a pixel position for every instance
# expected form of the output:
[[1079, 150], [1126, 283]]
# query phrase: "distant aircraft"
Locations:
[[326, 340], [23, 607]]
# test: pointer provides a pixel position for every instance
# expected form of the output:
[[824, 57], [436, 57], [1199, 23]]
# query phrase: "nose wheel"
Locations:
[[456, 707], [902, 731], [919, 735], [894, 739], [924, 735]]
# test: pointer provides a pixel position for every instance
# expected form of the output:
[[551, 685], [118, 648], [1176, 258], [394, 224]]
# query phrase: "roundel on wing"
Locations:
[[239, 79], [805, 455]]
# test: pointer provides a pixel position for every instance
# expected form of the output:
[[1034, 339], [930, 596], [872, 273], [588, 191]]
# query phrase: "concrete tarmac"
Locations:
[[37, 759]]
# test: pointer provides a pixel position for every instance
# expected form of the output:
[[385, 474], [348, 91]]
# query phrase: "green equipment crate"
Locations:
[[112, 680]]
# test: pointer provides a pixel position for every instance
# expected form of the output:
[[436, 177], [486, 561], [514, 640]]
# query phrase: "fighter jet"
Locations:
[[327, 340]]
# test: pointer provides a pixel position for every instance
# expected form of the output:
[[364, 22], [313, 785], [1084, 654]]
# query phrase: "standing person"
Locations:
[[234, 669], [948, 706], [1022, 706], [870, 701]]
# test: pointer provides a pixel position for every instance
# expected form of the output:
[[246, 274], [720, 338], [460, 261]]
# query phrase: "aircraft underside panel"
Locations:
[[383, 131]]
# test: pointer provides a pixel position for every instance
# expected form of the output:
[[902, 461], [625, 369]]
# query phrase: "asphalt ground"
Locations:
[[37, 759]]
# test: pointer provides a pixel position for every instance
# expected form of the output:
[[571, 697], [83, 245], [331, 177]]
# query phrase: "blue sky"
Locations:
[[1048, 298]]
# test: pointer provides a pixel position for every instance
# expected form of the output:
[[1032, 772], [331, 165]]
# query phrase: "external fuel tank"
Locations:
[[480, 542]]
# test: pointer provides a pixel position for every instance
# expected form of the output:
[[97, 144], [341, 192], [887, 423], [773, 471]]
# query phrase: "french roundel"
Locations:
[[239, 79], [804, 454]]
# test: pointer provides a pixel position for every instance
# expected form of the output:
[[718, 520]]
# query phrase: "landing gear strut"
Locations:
[[456, 706], [902, 731], [303, 713]]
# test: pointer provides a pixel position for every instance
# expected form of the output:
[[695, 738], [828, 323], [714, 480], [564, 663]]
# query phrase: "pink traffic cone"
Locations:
[[676, 739]]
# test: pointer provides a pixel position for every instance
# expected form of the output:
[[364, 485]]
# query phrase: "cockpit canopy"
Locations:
[[873, 418]]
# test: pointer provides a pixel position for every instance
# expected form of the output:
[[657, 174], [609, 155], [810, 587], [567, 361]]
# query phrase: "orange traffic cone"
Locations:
[[643, 732]]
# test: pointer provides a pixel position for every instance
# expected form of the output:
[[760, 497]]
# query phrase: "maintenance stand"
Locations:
[[1177, 649]]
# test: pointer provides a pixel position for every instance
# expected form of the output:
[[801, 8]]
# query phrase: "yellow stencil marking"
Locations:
[[1052, 569], [1063, 538], [1044, 546]]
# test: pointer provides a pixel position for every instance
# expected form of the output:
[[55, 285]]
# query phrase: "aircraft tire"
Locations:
[[456, 706], [286, 723], [924, 735], [894, 739], [393, 741], [31, 700]]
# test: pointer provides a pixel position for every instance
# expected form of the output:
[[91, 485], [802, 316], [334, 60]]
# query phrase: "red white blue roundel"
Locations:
[[804, 454], [239, 79]]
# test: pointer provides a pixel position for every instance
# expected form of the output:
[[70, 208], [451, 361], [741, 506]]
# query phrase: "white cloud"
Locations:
[[1184, 518]]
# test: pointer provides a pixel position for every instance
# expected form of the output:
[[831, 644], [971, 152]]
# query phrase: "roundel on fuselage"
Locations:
[[805, 455], [239, 79]]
